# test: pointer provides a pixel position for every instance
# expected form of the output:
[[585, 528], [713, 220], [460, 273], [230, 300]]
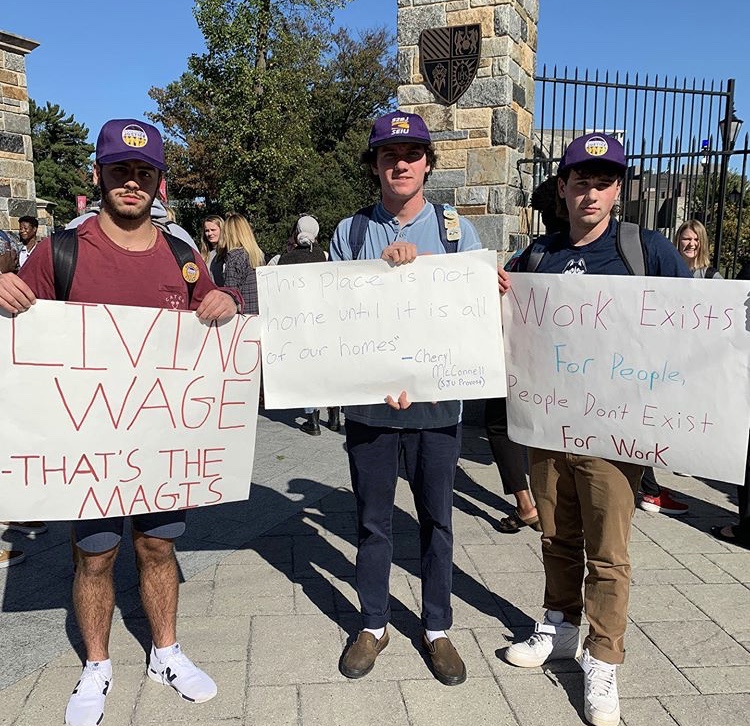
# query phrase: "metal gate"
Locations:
[[678, 137]]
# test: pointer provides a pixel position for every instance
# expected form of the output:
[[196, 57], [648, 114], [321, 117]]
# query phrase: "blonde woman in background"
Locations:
[[237, 256], [211, 234], [691, 242]]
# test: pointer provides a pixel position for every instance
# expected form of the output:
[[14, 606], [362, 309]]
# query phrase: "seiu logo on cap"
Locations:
[[134, 136], [399, 125], [596, 146]]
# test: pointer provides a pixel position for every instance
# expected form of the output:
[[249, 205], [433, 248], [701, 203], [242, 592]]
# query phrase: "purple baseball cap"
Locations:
[[399, 127], [593, 147], [123, 139]]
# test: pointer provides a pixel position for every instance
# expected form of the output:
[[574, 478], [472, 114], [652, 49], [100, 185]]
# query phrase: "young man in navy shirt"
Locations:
[[585, 503]]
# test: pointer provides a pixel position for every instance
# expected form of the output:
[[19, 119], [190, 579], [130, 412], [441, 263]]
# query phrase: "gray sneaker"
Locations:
[[553, 639]]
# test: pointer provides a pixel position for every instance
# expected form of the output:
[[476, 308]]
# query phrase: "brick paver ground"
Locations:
[[268, 604]]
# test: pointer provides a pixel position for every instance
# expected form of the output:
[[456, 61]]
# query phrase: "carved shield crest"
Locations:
[[449, 58]]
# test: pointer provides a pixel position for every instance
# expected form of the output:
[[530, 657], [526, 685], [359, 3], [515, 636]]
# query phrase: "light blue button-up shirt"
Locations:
[[384, 229]]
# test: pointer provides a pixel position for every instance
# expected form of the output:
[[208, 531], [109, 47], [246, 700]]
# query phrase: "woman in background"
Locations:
[[210, 237], [691, 242], [237, 256]]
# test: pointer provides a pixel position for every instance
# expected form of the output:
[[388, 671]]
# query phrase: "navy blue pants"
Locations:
[[430, 459]]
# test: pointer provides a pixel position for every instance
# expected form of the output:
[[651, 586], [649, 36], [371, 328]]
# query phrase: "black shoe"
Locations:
[[334, 419], [718, 532], [312, 425]]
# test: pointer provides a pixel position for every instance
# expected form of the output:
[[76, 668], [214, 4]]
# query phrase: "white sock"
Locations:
[[435, 634], [377, 632], [162, 653], [105, 666]]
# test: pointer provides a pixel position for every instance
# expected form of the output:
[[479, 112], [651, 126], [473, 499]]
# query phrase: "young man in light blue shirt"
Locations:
[[402, 225]]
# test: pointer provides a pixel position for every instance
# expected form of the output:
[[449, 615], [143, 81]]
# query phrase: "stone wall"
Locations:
[[480, 138], [17, 189]]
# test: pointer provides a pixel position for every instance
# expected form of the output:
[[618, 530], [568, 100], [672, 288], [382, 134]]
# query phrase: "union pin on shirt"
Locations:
[[190, 272]]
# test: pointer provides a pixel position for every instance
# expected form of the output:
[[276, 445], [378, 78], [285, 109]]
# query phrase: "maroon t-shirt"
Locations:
[[106, 273]]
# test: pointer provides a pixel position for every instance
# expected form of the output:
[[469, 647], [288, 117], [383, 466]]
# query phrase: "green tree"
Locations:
[[270, 120], [62, 164]]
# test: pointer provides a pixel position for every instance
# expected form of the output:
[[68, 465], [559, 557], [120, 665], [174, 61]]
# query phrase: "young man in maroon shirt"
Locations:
[[124, 259]]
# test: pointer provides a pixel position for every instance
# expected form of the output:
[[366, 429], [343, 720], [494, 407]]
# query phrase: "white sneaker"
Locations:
[[553, 639], [178, 671], [86, 703], [601, 704]]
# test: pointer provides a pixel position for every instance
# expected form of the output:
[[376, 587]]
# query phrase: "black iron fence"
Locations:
[[679, 140]]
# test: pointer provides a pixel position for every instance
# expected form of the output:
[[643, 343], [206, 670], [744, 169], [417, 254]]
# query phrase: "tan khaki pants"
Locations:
[[586, 505]]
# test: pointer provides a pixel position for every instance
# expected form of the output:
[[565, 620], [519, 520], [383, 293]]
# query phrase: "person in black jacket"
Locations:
[[302, 247]]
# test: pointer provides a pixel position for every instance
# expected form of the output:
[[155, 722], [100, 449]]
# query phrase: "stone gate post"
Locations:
[[481, 137], [17, 188]]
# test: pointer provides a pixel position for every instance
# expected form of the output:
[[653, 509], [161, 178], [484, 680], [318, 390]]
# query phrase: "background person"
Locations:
[[27, 231], [512, 464], [239, 255], [691, 241], [302, 246], [210, 236], [512, 458]]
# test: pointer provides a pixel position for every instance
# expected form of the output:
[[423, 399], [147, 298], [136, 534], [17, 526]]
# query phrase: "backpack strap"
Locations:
[[447, 221], [183, 254], [630, 248], [531, 257], [358, 229], [711, 272], [64, 258]]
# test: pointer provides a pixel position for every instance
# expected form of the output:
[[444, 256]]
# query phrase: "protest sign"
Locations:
[[650, 370], [345, 333], [112, 410]]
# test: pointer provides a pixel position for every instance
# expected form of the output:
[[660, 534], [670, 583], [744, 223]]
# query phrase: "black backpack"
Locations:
[[65, 257], [630, 247], [361, 218]]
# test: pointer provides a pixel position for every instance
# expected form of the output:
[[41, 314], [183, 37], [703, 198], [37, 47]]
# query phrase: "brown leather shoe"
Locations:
[[359, 658], [447, 665]]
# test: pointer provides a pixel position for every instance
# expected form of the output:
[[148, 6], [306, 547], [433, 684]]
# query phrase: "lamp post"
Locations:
[[729, 129]]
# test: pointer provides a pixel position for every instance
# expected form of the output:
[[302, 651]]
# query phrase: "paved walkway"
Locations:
[[268, 603]]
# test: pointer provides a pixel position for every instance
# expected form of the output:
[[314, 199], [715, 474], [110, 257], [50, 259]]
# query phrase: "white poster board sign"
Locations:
[[346, 333], [649, 370], [112, 410]]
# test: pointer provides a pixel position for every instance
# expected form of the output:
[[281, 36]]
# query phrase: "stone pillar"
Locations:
[[480, 138], [17, 188]]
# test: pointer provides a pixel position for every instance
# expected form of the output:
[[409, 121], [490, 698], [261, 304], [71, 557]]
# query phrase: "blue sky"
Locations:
[[84, 64]]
